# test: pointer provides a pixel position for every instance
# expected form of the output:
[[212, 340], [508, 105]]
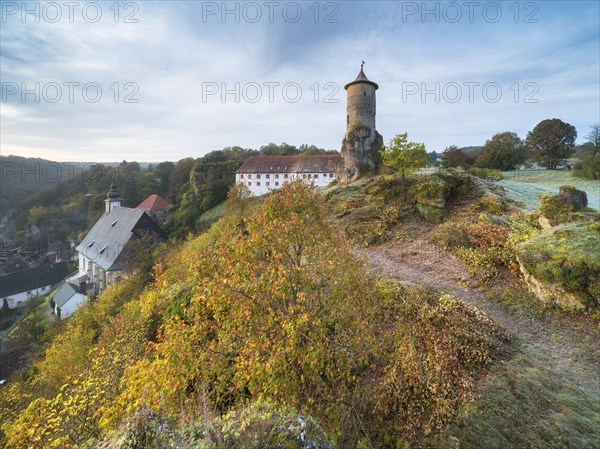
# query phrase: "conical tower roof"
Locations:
[[362, 78]]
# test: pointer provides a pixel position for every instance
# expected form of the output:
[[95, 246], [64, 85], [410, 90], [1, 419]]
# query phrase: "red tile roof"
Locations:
[[153, 203]]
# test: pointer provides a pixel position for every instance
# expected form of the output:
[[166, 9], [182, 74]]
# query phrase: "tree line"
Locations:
[[549, 145]]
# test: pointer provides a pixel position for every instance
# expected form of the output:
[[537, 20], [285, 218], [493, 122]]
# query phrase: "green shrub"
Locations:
[[368, 233], [344, 207], [486, 173], [460, 183], [431, 213], [480, 264], [450, 235], [492, 203]]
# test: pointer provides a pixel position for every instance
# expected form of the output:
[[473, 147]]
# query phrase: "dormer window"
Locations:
[[103, 249], [114, 223], [91, 244]]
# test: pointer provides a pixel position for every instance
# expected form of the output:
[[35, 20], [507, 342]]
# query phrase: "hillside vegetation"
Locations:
[[269, 305], [547, 395], [269, 330]]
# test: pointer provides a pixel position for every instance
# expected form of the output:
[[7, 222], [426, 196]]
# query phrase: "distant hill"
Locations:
[[22, 176]]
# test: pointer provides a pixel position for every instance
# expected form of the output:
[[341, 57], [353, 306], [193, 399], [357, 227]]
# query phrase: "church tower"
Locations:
[[362, 142], [113, 198]]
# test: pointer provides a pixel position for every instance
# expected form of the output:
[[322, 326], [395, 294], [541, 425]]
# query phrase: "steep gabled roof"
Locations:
[[32, 278], [154, 203], [65, 293], [107, 239], [319, 163]]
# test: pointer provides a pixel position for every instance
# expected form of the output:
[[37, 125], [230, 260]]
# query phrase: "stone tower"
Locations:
[[362, 142], [113, 198]]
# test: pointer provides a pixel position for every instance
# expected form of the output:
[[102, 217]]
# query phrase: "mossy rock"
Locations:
[[491, 203], [387, 188], [431, 191], [459, 182], [562, 264], [432, 214], [566, 207], [576, 198]]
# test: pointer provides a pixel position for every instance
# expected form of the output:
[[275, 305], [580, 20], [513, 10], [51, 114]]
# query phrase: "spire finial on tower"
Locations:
[[362, 65]]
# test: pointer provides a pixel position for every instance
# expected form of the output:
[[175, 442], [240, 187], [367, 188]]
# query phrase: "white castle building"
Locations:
[[262, 174]]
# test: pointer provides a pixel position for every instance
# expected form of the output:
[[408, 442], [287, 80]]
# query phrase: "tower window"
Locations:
[[348, 119], [364, 93]]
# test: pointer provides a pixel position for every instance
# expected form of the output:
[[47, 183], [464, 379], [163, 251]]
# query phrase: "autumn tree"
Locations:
[[504, 151], [454, 157], [550, 142], [277, 312], [404, 157]]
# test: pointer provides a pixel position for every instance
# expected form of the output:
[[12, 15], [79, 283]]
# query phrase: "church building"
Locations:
[[104, 251]]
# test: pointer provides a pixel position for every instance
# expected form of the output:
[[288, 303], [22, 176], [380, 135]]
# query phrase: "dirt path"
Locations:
[[561, 342]]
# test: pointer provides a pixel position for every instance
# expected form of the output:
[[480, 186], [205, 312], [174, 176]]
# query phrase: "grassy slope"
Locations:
[[546, 396], [527, 186], [526, 403]]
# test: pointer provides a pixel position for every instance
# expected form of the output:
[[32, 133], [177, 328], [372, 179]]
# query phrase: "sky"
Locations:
[[153, 81]]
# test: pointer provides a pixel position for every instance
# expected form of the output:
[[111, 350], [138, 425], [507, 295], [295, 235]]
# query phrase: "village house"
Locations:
[[66, 300], [156, 206], [18, 286]]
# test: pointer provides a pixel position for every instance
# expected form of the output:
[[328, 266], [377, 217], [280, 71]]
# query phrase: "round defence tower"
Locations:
[[361, 103], [362, 142]]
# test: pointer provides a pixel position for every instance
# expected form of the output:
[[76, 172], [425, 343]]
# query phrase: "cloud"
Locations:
[[176, 51]]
